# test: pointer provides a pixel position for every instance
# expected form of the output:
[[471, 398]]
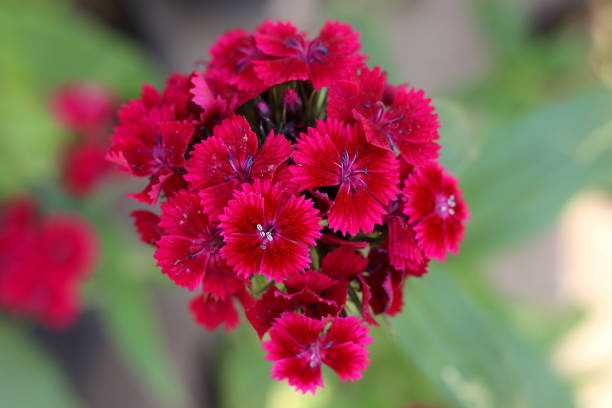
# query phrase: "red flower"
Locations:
[[400, 119], [311, 293], [404, 252], [435, 207], [84, 167], [154, 149], [85, 108], [386, 284], [344, 264], [334, 155], [330, 55], [43, 263], [232, 60], [298, 345], [267, 232], [147, 224], [211, 312], [221, 163], [189, 251]]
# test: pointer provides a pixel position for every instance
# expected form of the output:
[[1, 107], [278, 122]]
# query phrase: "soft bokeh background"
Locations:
[[521, 318]]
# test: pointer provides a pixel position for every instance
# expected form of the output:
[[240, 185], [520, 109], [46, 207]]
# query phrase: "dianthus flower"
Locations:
[[229, 158], [268, 233], [298, 346], [43, 262], [189, 250], [434, 204], [290, 55], [333, 154], [400, 119]]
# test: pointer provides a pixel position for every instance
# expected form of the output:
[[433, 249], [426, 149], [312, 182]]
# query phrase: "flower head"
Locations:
[[332, 154], [401, 119], [230, 158], [189, 250], [435, 207], [298, 346], [291, 55], [267, 232]]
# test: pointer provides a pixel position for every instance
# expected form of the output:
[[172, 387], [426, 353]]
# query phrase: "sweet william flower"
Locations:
[[232, 60], [401, 119], [147, 225], [298, 346], [189, 250], [268, 232], [43, 262], [230, 158], [311, 293], [211, 311], [290, 55], [434, 204], [332, 154], [155, 150]]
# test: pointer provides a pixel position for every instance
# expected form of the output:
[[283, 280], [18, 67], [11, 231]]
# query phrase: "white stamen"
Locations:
[[259, 227], [269, 236], [451, 211]]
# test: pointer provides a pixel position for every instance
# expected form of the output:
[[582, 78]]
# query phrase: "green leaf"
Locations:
[[29, 377], [528, 170], [474, 360], [120, 290], [45, 44]]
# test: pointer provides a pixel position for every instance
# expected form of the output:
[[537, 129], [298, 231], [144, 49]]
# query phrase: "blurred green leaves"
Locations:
[[529, 168], [28, 375], [43, 45]]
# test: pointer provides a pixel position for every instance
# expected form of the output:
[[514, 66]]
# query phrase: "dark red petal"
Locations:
[[273, 71], [147, 225], [211, 313], [273, 39], [343, 263], [265, 310], [275, 150], [299, 373]]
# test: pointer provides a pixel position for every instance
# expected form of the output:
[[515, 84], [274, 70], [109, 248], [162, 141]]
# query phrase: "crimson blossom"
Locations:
[[43, 262], [297, 185]]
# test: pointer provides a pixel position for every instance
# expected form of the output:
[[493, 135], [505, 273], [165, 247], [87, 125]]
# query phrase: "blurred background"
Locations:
[[521, 318]]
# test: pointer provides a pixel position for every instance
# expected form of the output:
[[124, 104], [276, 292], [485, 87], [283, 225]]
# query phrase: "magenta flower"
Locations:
[[332, 154], [189, 252], [267, 232], [147, 225], [290, 55], [435, 206], [402, 119], [298, 346], [232, 60], [223, 162], [312, 293], [153, 149]]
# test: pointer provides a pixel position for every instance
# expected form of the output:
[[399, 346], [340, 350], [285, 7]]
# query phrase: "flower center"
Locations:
[[351, 176], [309, 51], [248, 53], [445, 206], [266, 235], [241, 170]]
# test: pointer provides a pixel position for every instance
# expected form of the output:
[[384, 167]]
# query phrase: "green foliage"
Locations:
[[28, 375], [43, 45], [528, 169]]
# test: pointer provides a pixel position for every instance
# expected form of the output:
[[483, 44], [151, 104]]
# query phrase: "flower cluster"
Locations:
[[87, 111], [43, 262], [296, 182]]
